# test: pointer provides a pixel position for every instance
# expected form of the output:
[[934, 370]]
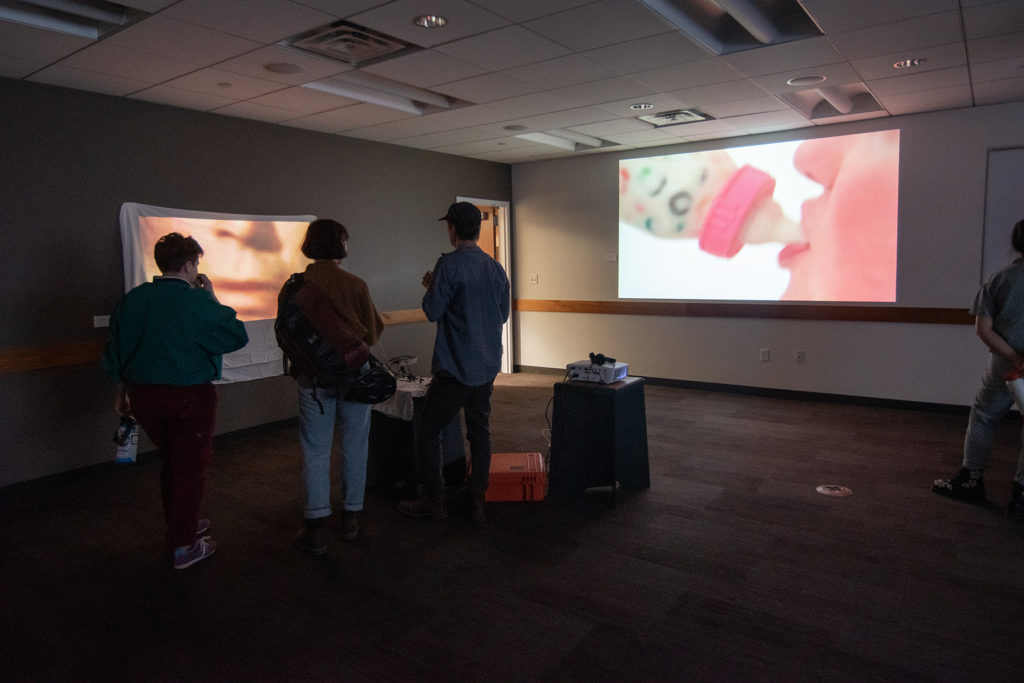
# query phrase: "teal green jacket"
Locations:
[[168, 332]]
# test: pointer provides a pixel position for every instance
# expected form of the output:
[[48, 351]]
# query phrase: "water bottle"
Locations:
[[1015, 383], [126, 436]]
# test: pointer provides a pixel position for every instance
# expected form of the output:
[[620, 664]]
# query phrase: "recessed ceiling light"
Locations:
[[283, 68], [430, 21], [641, 106], [908, 63], [515, 127], [223, 84], [805, 80]]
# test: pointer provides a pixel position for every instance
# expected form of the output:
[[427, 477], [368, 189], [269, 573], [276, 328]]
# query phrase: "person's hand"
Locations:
[[203, 282], [122, 406], [428, 278]]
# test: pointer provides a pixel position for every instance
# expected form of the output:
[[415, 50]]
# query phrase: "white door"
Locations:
[[494, 239]]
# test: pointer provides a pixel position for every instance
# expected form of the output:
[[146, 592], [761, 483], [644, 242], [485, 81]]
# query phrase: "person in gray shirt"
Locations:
[[999, 322], [468, 297]]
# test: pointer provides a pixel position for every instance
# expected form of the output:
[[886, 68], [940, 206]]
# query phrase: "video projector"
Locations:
[[599, 368]]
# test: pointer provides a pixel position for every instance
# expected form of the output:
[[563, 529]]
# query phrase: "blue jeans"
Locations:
[[446, 396], [316, 433], [991, 404]]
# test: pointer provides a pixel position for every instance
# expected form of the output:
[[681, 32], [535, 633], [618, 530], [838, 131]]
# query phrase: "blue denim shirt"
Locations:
[[469, 300]]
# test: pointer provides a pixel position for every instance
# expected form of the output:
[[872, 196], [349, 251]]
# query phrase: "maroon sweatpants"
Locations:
[[180, 421]]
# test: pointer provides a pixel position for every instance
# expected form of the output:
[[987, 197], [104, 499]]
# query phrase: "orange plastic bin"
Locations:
[[517, 477]]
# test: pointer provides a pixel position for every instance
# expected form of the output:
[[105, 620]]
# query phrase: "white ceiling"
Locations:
[[573, 65]]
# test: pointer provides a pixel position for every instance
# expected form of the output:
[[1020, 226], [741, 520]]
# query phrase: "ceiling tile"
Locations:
[[993, 92], [303, 100], [503, 49], [256, 111], [721, 110], [603, 23], [773, 59], [188, 99], [651, 52], [253, 63], [87, 80], [395, 19], [34, 46], [486, 88], [262, 20], [114, 60], [995, 18], [927, 100], [998, 70], [719, 92], [689, 75], [179, 40], [938, 57], [523, 10], [561, 71], [927, 80], [934, 29], [224, 84], [339, 8], [994, 47], [425, 69], [835, 16]]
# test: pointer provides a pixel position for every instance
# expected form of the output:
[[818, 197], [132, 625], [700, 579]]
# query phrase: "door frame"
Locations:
[[505, 259]]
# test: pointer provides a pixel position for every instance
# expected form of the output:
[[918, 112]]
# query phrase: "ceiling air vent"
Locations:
[[675, 117], [349, 43]]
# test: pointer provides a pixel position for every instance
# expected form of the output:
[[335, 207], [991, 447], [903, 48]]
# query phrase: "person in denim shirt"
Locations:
[[468, 297]]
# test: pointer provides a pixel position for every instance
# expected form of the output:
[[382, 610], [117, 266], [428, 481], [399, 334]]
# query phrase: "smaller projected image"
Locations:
[[811, 220], [247, 258]]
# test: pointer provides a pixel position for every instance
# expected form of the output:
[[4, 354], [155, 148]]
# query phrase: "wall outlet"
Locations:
[[534, 279], [101, 321], [799, 356], [765, 355]]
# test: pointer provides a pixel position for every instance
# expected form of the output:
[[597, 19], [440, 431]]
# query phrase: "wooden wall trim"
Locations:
[[25, 359], [887, 314]]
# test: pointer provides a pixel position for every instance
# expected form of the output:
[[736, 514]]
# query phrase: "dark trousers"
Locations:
[[446, 396], [180, 421]]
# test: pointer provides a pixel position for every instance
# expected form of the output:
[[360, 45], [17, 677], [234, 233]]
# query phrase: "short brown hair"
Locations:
[[174, 250], [325, 240]]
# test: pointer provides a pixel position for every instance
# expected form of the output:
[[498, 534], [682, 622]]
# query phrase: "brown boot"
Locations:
[[476, 506], [349, 525], [430, 506], [312, 537]]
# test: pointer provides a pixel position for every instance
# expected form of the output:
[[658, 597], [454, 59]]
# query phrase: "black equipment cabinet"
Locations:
[[599, 436]]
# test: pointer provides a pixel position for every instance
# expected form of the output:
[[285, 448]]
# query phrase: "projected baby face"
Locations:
[[850, 227], [247, 261]]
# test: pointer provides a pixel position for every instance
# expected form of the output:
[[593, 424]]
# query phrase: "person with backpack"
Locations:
[[322, 408], [164, 350]]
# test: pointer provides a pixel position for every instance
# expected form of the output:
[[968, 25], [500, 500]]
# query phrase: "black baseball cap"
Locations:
[[462, 212]]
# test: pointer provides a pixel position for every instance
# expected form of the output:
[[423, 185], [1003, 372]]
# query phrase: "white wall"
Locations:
[[565, 224]]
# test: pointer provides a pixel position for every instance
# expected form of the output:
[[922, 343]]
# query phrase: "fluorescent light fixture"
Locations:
[[363, 94], [588, 140], [392, 88], [365, 87], [750, 17], [837, 98], [682, 21], [90, 20], [547, 139]]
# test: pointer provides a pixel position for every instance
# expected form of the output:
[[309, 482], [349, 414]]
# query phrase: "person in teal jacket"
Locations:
[[164, 350]]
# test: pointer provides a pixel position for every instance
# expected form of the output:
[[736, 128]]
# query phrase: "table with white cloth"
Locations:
[[392, 457]]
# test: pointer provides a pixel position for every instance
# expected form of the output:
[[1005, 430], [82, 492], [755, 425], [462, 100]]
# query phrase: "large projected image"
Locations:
[[811, 220], [248, 258]]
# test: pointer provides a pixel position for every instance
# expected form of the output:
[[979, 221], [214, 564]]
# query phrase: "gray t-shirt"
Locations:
[[1001, 299]]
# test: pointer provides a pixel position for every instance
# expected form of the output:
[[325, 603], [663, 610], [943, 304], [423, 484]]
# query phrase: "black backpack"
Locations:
[[316, 341]]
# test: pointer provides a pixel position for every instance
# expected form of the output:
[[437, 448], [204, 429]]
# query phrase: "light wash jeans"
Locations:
[[991, 404], [316, 433]]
